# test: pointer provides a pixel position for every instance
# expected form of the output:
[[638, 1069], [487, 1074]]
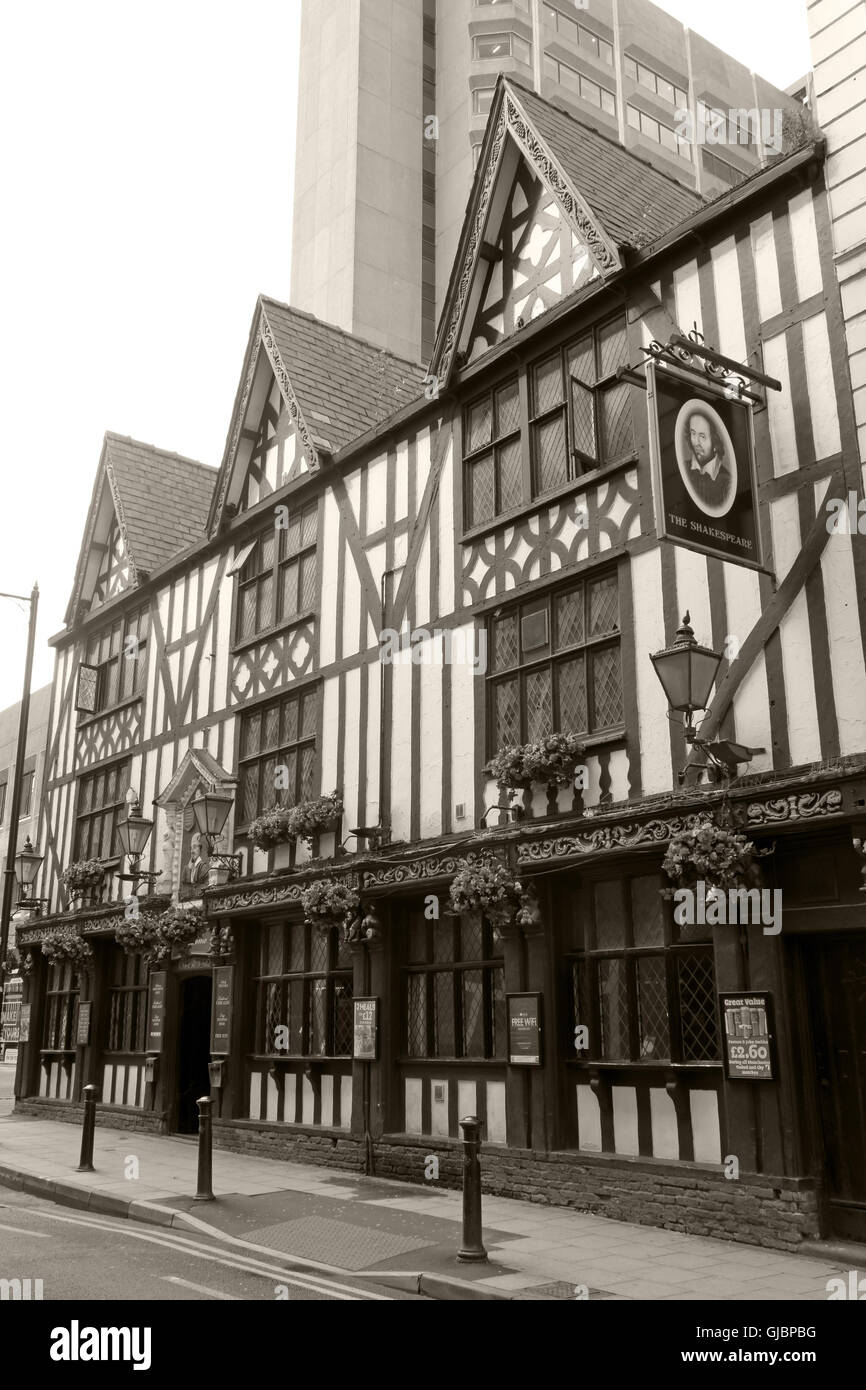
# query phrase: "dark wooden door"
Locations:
[[836, 975], [193, 1050]]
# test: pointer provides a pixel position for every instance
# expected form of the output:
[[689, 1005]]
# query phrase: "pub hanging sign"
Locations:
[[703, 455], [747, 1022]]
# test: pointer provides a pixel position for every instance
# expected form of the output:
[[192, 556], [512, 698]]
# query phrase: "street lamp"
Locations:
[[687, 672], [133, 834], [211, 811], [27, 862]]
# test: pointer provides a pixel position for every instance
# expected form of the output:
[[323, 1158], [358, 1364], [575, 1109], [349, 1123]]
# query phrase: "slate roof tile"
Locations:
[[164, 497]]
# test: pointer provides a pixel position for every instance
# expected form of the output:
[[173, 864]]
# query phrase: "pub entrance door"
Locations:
[[193, 1050], [836, 982]]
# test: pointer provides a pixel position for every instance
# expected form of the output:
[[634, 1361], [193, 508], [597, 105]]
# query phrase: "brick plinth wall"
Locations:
[[107, 1116], [779, 1213]]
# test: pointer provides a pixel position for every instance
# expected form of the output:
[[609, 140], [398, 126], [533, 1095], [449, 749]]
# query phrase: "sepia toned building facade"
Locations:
[[496, 509]]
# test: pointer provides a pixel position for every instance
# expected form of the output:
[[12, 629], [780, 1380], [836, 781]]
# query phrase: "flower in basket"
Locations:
[[139, 935], [329, 902], [84, 873], [712, 854], [484, 884], [66, 944], [546, 760], [312, 817], [282, 824], [178, 928]]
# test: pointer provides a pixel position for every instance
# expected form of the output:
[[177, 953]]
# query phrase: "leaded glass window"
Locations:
[[555, 664], [454, 989]]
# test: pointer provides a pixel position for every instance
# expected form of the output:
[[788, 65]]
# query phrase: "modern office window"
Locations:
[[304, 986], [454, 989], [569, 30], [127, 1004], [658, 132], [581, 86], [654, 82], [555, 664], [644, 988], [502, 46], [101, 799], [280, 734], [720, 168], [278, 579]]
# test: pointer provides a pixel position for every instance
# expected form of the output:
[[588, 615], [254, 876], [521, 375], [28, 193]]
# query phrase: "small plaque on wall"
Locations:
[[366, 1030], [747, 1021], [524, 1029], [82, 1036]]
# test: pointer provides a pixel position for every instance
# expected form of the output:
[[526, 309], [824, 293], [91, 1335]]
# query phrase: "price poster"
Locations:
[[748, 1032]]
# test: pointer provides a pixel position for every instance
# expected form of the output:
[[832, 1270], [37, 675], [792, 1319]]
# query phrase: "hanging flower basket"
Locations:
[[282, 824], [711, 854], [67, 945], [484, 884], [329, 902], [83, 875], [177, 929], [550, 760], [139, 935]]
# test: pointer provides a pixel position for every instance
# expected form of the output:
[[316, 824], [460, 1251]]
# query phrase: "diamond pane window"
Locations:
[[280, 734], [698, 1008], [569, 678], [653, 1008], [607, 688], [493, 463], [613, 1009]]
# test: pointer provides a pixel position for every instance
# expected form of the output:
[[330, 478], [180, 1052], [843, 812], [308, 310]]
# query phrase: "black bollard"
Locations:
[[86, 1162], [471, 1249], [205, 1150]]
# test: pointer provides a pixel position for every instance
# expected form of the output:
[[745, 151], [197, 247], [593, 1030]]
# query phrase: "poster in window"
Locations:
[[366, 1030], [524, 1029], [703, 454], [748, 1036]]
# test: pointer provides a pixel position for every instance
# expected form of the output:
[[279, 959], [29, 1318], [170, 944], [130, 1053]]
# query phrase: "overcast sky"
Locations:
[[147, 157]]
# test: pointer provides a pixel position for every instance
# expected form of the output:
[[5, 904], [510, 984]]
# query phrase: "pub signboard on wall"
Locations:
[[524, 1029], [747, 1025], [703, 456]]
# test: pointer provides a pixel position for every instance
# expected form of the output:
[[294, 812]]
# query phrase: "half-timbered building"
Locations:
[[398, 570]]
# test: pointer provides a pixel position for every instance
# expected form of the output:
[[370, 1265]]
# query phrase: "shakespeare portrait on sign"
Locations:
[[706, 458]]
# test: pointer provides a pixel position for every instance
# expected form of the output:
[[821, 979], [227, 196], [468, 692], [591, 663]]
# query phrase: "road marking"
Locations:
[[199, 1288], [23, 1231], [343, 1293]]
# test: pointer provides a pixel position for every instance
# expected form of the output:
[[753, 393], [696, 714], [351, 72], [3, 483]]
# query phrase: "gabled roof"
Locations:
[[344, 384], [160, 501], [164, 498], [613, 198], [336, 386], [634, 201]]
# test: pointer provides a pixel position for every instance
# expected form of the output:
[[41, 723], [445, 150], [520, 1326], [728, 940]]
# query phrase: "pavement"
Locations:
[[399, 1235]]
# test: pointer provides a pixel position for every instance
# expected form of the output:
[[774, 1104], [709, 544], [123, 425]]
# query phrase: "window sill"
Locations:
[[581, 484], [267, 633], [109, 709]]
